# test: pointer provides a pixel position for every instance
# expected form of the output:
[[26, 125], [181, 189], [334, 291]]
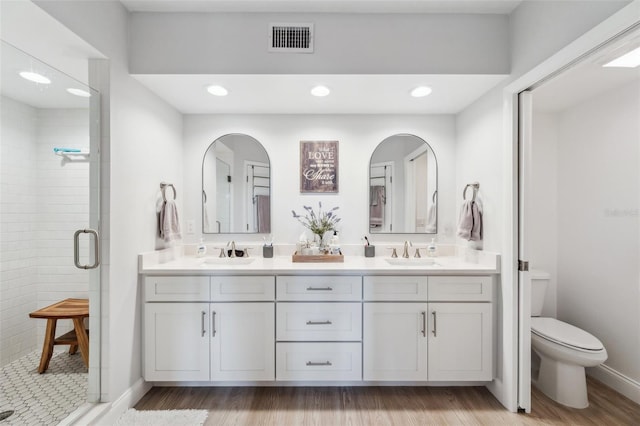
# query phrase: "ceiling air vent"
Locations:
[[291, 38]]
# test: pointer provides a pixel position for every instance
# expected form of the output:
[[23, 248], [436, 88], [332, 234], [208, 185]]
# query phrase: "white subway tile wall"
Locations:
[[43, 200]]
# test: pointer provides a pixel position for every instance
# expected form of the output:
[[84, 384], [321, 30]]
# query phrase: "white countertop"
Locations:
[[154, 264]]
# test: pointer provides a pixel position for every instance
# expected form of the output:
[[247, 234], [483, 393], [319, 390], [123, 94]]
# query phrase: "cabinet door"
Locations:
[[242, 341], [394, 341], [460, 341], [176, 342]]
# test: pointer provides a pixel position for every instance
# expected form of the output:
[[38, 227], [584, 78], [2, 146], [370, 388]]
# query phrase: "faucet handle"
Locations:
[[394, 254], [417, 255], [222, 254], [246, 251]]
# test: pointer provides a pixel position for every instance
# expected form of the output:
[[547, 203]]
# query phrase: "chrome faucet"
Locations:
[[405, 251], [233, 248]]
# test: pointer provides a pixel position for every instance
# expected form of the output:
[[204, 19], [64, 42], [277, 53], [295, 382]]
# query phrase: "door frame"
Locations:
[[625, 20]]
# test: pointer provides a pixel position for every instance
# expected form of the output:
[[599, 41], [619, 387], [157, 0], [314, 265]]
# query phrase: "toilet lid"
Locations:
[[565, 334]]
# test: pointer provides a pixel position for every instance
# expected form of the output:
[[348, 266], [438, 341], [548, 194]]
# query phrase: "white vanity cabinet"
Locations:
[[222, 328], [460, 328], [319, 340], [176, 342], [394, 328], [314, 327], [419, 328]]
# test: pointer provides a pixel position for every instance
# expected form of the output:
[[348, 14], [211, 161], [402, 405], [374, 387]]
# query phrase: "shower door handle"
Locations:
[[76, 248]]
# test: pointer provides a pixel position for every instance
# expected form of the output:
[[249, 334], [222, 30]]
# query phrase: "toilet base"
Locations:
[[564, 383]]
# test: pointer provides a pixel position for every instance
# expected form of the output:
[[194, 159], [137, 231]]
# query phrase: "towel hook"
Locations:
[[433, 197], [475, 186], [163, 188]]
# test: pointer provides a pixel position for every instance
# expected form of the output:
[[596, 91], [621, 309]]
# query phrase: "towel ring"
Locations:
[[475, 186], [163, 188], [204, 197], [433, 197]]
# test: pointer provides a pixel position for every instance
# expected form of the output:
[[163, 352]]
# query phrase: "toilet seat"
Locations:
[[565, 334]]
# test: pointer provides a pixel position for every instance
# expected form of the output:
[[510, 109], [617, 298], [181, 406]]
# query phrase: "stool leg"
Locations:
[[47, 348], [73, 349], [83, 339]]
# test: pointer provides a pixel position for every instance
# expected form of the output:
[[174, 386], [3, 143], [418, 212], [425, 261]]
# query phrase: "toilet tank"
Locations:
[[539, 283]]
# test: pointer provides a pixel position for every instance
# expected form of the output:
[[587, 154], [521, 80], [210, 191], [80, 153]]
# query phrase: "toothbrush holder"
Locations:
[[267, 252], [369, 251]]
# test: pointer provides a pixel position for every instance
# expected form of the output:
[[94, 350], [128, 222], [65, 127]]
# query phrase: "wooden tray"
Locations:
[[318, 258]]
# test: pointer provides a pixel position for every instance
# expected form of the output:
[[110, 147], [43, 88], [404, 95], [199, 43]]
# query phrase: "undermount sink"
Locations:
[[228, 261], [412, 261]]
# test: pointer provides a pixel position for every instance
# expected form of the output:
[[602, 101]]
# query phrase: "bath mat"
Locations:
[[133, 417]]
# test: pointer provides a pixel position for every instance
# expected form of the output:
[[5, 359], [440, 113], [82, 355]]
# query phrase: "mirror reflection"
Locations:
[[236, 186], [403, 186]]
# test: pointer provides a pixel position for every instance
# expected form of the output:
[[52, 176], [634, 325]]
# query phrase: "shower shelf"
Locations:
[[73, 154]]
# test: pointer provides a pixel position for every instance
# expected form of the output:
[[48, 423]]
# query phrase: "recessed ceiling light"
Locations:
[[421, 91], [79, 92], [628, 60], [320, 91], [216, 90], [35, 77]]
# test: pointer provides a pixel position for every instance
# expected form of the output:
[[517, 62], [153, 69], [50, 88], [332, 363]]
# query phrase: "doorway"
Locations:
[[579, 188], [50, 188]]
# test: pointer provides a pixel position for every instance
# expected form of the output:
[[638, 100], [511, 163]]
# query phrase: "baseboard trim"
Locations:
[[129, 398], [617, 381]]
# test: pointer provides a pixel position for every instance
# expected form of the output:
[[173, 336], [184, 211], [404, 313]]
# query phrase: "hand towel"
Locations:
[[264, 213], [470, 221], [431, 219], [376, 209], [169, 224]]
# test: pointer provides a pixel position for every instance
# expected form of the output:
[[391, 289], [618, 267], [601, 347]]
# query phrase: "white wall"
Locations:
[[598, 223], [18, 265], [544, 210], [358, 136], [144, 147], [236, 43]]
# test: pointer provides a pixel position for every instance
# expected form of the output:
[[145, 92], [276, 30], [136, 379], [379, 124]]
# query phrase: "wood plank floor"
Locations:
[[363, 406]]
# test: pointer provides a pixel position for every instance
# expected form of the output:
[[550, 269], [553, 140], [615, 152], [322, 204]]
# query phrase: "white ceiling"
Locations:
[[588, 78], [324, 6], [350, 94]]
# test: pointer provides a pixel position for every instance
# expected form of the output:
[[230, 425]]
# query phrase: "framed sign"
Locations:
[[318, 166]]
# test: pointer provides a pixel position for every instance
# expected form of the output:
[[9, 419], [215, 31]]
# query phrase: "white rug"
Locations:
[[162, 417]]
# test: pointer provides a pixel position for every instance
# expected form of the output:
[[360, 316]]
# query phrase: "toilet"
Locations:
[[564, 351]]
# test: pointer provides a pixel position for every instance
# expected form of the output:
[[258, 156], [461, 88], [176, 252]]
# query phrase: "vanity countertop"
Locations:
[[282, 265]]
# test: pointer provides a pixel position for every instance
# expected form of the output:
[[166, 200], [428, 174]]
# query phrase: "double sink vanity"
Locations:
[[215, 321]]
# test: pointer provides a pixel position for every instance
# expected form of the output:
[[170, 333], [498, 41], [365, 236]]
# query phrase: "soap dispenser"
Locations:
[[334, 243], [202, 248], [432, 248]]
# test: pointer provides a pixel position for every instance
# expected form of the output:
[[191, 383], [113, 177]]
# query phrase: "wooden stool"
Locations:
[[74, 309]]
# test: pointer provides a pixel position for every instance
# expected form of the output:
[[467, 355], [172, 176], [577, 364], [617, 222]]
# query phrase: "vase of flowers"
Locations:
[[319, 223]]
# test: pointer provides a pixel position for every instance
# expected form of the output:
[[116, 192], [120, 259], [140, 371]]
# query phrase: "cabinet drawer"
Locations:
[[330, 287], [395, 288], [176, 289], [243, 289], [318, 361], [463, 288], [318, 321]]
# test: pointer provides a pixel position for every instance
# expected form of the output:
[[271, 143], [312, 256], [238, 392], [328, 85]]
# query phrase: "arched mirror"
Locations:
[[403, 187], [236, 186]]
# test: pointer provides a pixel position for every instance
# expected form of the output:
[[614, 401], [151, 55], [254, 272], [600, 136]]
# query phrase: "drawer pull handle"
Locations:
[[202, 323], [319, 322], [319, 364], [213, 323], [327, 288], [434, 323], [424, 324]]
